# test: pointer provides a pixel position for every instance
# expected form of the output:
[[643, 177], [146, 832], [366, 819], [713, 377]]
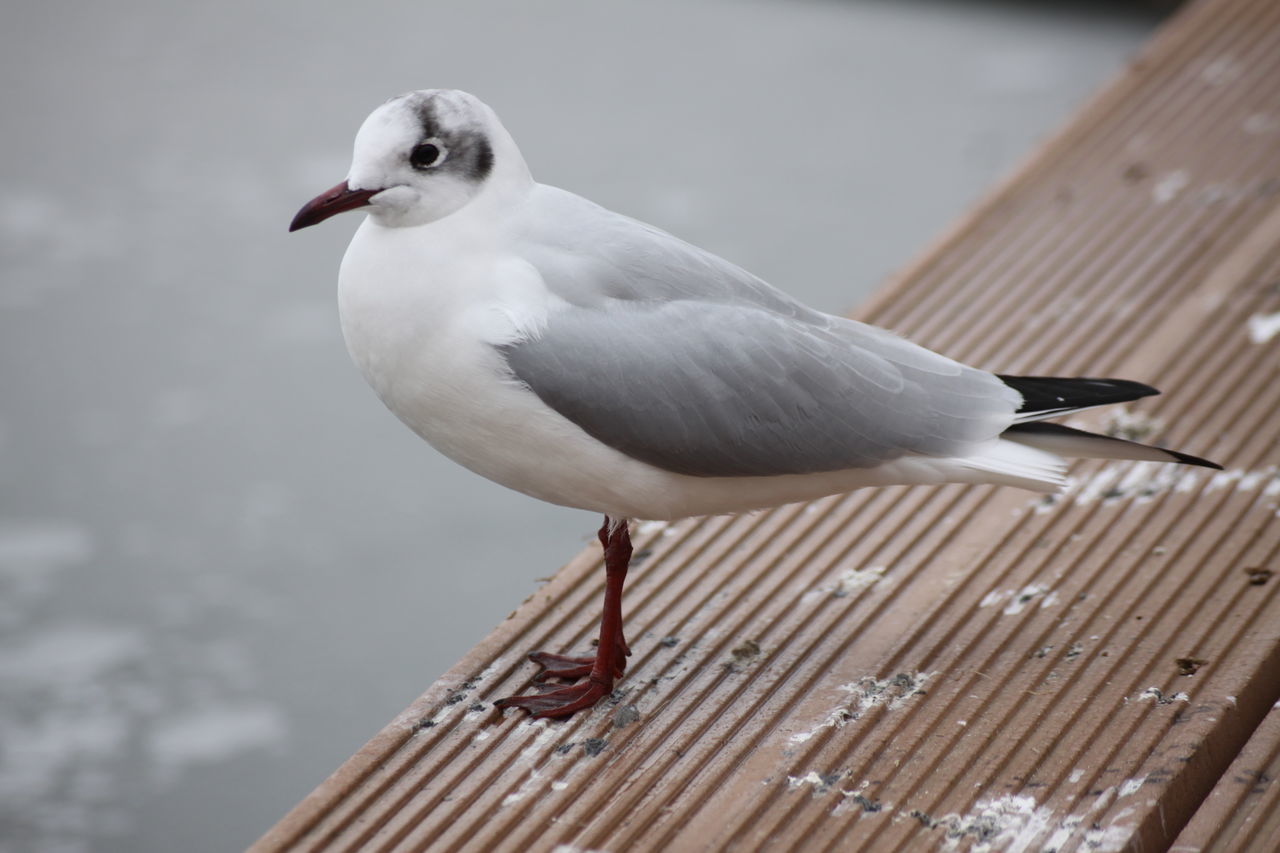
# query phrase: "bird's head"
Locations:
[[420, 157]]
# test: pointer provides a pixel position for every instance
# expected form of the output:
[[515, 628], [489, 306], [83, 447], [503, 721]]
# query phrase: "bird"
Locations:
[[591, 360]]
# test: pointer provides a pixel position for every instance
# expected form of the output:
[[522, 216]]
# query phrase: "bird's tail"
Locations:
[[1051, 396]]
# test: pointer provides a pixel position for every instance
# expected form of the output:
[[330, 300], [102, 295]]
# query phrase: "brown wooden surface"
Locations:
[[950, 668], [1243, 811]]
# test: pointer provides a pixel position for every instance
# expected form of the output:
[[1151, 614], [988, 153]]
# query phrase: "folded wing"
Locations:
[[724, 390]]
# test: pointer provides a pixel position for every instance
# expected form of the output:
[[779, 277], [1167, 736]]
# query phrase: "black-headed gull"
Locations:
[[593, 361]]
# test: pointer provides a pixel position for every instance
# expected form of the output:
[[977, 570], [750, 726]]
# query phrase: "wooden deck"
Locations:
[[950, 668]]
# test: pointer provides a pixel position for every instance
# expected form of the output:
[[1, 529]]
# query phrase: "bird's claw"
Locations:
[[567, 667], [561, 702], [572, 668]]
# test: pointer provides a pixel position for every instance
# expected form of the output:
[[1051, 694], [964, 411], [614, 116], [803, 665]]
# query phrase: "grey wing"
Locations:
[[590, 256], [730, 390]]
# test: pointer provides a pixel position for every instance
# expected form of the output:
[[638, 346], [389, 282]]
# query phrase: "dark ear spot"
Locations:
[[483, 162], [427, 119]]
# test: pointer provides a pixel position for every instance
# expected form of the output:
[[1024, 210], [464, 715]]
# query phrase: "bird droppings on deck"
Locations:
[[820, 782], [1246, 481], [744, 654], [1140, 481], [543, 733], [593, 746], [867, 693], [1008, 822], [536, 756], [1017, 823], [891, 693], [1132, 426], [846, 583], [1130, 786], [1158, 696], [1135, 172], [1167, 188], [1018, 599], [850, 580], [1189, 666], [526, 787], [1258, 575], [625, 716], [837, 718], [454, 702], [1222, 70], [1264, 327], [860, 800], [1259, 124], [1002, 824]]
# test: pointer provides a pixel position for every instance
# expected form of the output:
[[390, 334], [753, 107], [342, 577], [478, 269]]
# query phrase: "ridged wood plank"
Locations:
[[1243, 810]]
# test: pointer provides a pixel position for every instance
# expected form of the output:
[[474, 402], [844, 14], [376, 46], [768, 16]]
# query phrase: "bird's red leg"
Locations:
[[610, 659], [573, 667]]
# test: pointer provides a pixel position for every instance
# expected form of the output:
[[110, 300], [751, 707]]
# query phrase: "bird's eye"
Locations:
[[427, 154]]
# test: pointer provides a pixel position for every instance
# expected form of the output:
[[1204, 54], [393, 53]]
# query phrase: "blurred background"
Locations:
[[223, 565]]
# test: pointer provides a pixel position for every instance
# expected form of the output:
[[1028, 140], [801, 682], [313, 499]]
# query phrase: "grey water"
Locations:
[[223, 566]]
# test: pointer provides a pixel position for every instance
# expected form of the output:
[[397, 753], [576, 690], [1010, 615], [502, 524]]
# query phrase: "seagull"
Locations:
[[588, 359]]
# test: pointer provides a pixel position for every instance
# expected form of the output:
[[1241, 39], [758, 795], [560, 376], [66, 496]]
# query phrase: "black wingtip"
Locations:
[[1043, 434], [1188, 459], [1062, 393]]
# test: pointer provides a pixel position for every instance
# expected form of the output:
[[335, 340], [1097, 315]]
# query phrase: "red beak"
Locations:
[[329, 203]]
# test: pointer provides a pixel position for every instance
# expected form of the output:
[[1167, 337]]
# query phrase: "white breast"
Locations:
[[422, 323]]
